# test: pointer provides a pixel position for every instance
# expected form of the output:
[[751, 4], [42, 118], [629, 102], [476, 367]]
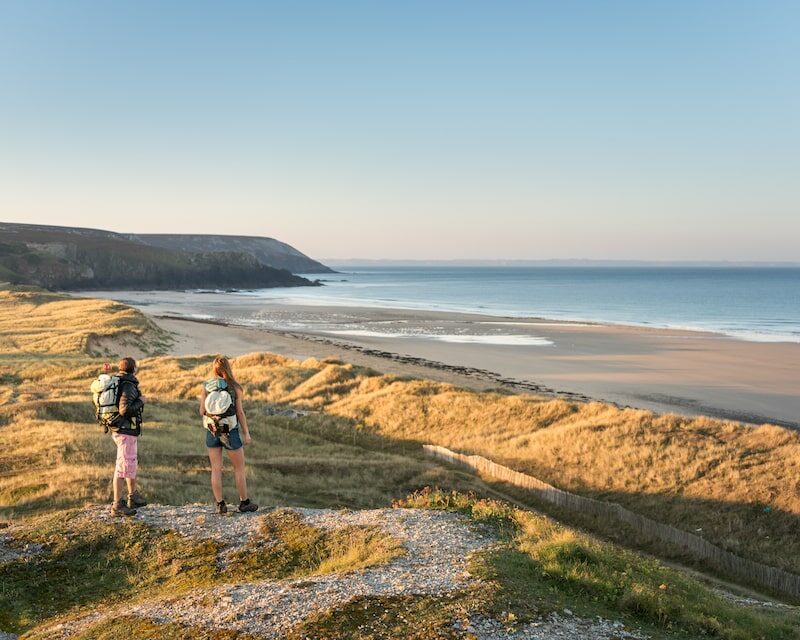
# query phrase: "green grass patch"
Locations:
[[288, 548], [408, 617], [91, 562], [544, 566]]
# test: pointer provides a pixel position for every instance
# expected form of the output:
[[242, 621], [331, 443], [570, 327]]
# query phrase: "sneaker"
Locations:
[[222, 508], [135, 500], [122, 509], [246, 505]]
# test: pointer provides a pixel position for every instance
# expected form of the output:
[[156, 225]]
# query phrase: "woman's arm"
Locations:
[[242, 418], [203, 401]]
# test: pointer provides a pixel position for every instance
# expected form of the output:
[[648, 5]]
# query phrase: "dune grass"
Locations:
[[738, 485], [66, 464], [50, 324]]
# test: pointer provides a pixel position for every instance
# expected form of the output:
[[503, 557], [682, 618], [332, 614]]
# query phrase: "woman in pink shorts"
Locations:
[[125, 431]]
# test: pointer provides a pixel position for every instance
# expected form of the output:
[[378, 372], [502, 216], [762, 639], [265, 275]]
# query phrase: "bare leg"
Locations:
[[215, 456], [119, 484], [131, 482], [237, 459]]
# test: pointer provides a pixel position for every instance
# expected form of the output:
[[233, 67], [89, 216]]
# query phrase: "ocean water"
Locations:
[[761, 303]]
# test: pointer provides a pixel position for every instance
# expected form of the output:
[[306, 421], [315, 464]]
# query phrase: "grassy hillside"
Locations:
[[44, 323], [52, 346], [64, 258], [326, 459], [735, 483]]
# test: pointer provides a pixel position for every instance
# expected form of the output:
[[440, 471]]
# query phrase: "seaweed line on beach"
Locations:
[[469, 372]]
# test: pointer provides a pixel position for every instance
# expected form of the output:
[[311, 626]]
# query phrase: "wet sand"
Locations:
[[687, 372]]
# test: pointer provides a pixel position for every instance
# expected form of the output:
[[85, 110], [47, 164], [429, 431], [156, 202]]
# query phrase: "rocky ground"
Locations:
[[556, 626], [9, 551], [437, 548]]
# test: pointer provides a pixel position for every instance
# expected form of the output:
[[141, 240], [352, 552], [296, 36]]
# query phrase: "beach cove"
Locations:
[[666, 370]]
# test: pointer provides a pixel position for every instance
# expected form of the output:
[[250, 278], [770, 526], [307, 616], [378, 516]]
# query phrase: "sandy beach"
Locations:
[[687, 372]]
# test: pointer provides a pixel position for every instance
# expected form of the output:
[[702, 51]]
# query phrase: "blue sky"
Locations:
[[439, 129]]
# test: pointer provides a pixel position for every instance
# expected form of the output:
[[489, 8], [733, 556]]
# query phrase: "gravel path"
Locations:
[[437, 543]]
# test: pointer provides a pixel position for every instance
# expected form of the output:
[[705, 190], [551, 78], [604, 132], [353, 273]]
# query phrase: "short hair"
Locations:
[[128, 365]]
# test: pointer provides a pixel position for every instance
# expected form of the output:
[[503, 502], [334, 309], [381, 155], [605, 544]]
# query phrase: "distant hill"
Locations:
[[268, 251], [75, 258]]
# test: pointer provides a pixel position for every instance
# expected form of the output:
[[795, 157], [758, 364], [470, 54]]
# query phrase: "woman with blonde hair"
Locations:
[[223, 418]]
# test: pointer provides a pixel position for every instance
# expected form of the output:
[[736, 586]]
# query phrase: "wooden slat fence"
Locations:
[[754, 572]]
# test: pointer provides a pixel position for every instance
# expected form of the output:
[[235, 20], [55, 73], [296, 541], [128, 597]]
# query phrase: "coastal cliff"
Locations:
[[268, 251], [74, 258]]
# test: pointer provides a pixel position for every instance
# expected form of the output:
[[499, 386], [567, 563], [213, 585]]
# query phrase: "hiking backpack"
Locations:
[[220, 406], [105, 396]]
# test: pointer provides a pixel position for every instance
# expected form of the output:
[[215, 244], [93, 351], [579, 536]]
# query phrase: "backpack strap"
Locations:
[[214, 384]]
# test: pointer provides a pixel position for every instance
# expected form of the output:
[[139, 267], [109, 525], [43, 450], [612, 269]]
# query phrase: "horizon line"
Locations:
[[559, 262]]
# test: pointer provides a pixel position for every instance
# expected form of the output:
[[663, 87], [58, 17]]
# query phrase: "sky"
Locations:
[[431, 129]]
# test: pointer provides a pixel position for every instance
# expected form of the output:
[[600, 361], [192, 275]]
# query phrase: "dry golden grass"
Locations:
[[51, 323], [54, 456], [740, 485], [695, 473]]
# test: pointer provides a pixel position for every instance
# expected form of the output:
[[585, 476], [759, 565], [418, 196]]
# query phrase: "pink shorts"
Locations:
[[126, 455]]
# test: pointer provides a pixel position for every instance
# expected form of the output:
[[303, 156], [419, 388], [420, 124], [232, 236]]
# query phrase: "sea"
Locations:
[[748, 303]]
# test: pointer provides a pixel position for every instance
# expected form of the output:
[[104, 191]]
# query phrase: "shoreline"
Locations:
[[663, 370], [743, 335], [511, 318], [469, 372], [387, 355]]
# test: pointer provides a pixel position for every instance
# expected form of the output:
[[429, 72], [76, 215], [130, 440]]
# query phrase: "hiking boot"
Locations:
[[246, 505], [222, 508], [122, 509], [135, 500]]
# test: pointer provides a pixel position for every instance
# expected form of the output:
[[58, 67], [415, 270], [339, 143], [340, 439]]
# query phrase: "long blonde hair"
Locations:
[[222, 369]]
